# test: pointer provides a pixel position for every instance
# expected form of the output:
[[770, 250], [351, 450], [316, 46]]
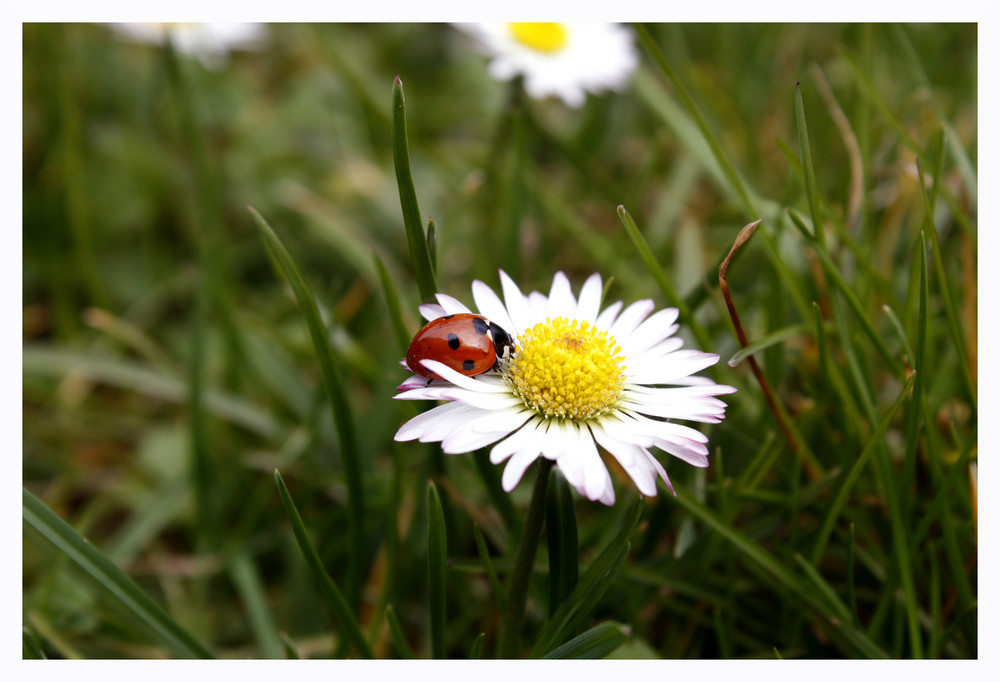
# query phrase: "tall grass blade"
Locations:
[[423, 268], [91, 561], [595, 643], [246, 578], [437, 570], [561, 532], [339, 403], [592, 585], [852, 477], [340, 608], [812, 194]]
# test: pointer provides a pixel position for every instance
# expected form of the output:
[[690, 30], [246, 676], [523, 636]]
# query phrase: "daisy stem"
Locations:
[[524, 560]]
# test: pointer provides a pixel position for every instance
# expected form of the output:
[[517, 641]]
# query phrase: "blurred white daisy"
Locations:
[[210, 42], [579, 379], [565, 60]]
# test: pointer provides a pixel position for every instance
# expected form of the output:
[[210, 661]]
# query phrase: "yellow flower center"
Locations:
[[566, 369], [544, 36]]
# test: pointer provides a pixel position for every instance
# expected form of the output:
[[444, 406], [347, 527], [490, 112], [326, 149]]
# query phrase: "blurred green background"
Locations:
[[167, 370]]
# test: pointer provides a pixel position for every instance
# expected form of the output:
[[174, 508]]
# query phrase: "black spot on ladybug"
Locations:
[[481, 325], [453, 342], [468, 365]]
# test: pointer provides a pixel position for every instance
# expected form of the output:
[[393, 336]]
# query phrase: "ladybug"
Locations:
[[469, 344]]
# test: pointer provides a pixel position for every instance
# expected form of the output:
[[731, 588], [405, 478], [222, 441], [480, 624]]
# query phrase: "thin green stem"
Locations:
[[524, 561]]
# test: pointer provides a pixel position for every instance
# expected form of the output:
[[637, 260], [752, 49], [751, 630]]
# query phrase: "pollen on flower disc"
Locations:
[[567, 369], [543, 36]]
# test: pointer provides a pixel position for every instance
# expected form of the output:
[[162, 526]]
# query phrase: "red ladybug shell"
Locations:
[[465, 342]]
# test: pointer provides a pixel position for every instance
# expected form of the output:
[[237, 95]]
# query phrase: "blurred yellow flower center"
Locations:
[[540, 35], [567, 369]]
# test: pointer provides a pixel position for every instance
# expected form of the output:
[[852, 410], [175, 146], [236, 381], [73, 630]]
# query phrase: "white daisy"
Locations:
[[565, 60], [580, 379], [210, 42]]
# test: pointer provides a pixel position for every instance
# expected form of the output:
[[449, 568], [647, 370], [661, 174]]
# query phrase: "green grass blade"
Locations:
[[852, 477], [661, 278], [351, 630], [246, 579], [393, 305], [89, 559], [46, 360], [335, 392], [561, 532], [423, 268], [735, 181], [491, 571], [288, 647], [30, 649], [592, 585], [595, 643], [954, 325], [784, 578], [437, 570], [812, 194], [396, 633], [833, 272], [476, 652], [771, 339], [823, 588]]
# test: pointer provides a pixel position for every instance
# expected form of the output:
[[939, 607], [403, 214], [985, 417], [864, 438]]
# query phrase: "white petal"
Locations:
[[633, 461], [539, 306], [561, 301], [518, 440], [596, 478], [607, 316], [470, 383], [655, 353], [484, 401], [431, 311], [451, 415], [476, 433], [660, 470], [506, 421], [655, 329], [590, 299], [516, 467], [452, 306], [608, 496], [630, 318], [672, 367], [491, 307], [517, 305]]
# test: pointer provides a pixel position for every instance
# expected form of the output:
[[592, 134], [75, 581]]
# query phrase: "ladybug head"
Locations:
[[502, 342]]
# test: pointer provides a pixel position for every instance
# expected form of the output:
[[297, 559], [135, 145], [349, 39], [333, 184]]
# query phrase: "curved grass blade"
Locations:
[[591, 587], [352, 632], [335, 391], [766, 342], [860, 642], [88, 558], [561, 532], [597, 642], [491, 571], [657, 272], [423, 268], [735, 181], [437, 570], [807, 165], [392, 303], [873, 444], [30, 649], [476, 652], [246, 579], [396, 633]]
